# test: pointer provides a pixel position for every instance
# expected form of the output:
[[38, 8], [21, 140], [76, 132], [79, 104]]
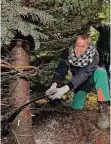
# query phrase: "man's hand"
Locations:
[[60, 92], [52, 89]]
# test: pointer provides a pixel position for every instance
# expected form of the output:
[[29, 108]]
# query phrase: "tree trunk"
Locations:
[[20, 94]]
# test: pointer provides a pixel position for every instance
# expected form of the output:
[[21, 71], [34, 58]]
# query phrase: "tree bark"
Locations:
[[20, 94]]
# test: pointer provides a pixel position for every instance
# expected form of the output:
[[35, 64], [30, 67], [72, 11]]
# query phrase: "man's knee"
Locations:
[[100, 75], [100, 72]]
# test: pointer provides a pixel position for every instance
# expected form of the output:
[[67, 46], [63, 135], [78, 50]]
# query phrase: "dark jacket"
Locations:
[[80, 75], [103, 44]]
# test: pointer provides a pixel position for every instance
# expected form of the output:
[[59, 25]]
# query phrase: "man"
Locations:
[[82, 59]]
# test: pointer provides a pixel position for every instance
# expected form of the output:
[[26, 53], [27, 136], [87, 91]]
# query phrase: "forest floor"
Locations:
[[58, 123], [70, 126]]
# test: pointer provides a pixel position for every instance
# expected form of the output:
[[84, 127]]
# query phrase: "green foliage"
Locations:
[[53, 24], [48, 70], [94, 35], [26, 20], [105, 14]]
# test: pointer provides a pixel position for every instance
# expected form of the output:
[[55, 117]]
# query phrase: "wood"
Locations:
[[20, 94]]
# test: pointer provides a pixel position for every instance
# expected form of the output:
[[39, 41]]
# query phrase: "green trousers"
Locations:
[[100, 80]]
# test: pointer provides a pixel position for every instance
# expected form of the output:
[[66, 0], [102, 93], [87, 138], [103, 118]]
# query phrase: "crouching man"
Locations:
[[82, 59]]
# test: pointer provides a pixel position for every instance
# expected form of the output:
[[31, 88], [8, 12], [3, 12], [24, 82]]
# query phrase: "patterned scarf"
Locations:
[[84, 59]]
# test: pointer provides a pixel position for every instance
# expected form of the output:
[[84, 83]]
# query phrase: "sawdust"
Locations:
[[71, 127]]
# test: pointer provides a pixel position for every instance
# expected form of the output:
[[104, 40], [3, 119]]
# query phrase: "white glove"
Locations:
[[60, 92], [52, 89]]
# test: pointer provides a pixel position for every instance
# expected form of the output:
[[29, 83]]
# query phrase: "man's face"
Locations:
[[81, 45]]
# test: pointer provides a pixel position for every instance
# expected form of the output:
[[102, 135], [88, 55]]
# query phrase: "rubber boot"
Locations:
[[103, 121]]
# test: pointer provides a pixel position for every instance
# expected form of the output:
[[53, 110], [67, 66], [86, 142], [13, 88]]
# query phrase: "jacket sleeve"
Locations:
[[62, 68], [84, 73]]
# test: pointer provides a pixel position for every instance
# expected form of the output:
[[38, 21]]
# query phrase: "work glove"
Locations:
[[52, 89], [60, 92]]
